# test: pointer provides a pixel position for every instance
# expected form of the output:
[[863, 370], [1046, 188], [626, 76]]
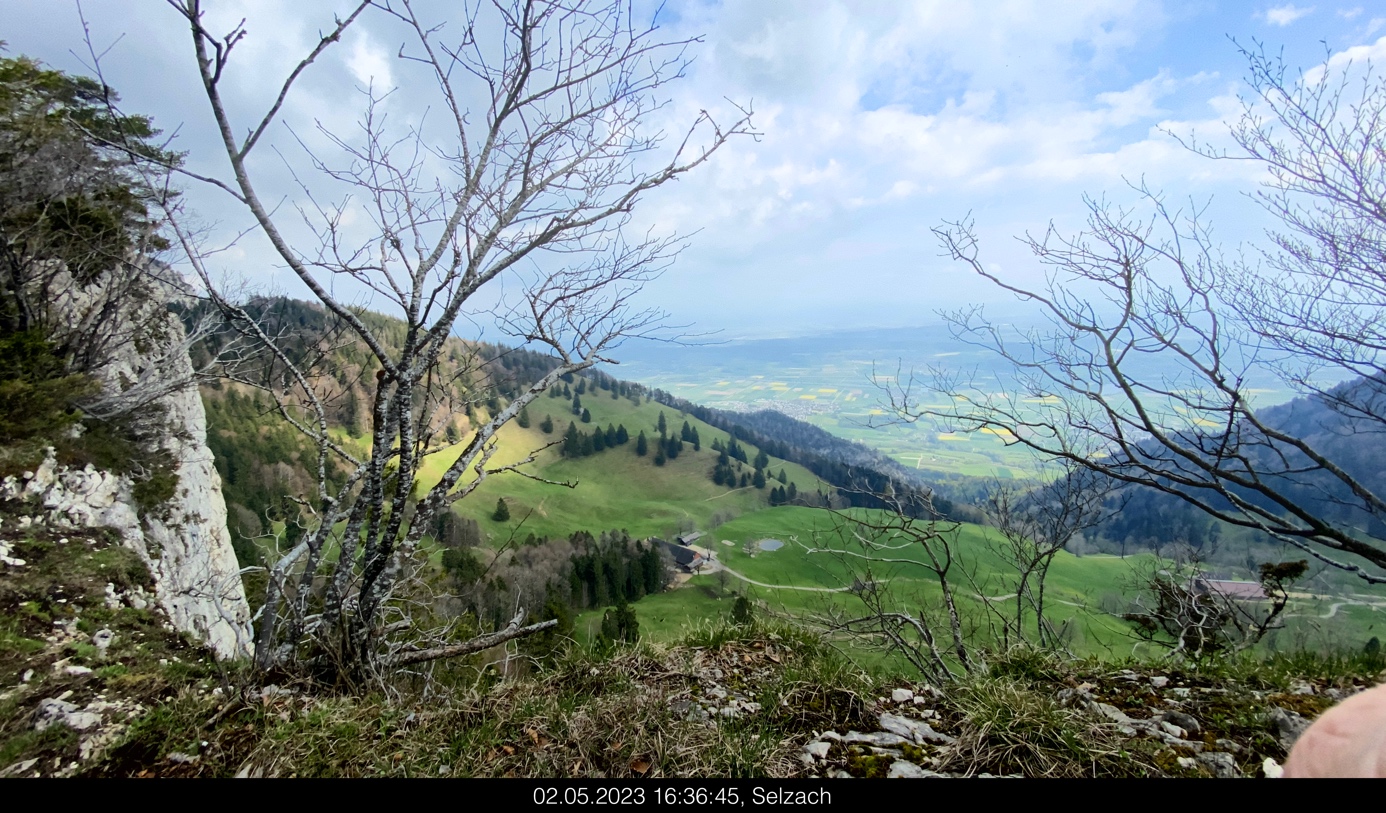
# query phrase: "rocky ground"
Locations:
[[83, 649], [94, 681]]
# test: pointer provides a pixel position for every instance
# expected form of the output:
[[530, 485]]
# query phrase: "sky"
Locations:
[[878, 121]]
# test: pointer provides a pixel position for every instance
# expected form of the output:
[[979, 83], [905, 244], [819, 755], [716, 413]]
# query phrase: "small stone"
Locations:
[[19, 767], [27, 676], [77, 671], [1272, 769], [1229, 746], [919, 701], [444, 770], [901, 696], [101, 639], [1184, 721], [918, 731], [817, 750], [1288, 726], [881, 739], [1219, 764], [901, 769], [1301, 687], [182, 758], [1186, 762], [840, 774], [1159, 681]]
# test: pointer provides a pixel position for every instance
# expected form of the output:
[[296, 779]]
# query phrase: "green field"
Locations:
[[615, 488], [1078, 588]]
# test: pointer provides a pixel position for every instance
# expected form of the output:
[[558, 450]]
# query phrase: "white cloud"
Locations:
[[370, 64], [1286, 14]]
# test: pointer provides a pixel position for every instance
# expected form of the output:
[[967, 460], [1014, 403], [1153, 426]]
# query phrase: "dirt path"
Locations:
[[749, 580]]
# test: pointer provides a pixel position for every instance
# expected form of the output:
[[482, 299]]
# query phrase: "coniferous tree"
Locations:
[[577, 404], [762, 459], [717, 445], [759, 479], [745, 479], [697, 444], [793, 493], [598, 440], [781, 477], [615, 396], [581, 387], [586, 447], [502, 513], [686, 433], [659, 457], [523, 418], [586, 416], [662, 426], [572, 444], [547, 425], [610, 435], [622, 436], [724, 459], [642, 446], [567, 393]]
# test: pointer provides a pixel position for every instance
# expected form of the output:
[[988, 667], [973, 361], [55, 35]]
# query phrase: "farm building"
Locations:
[[1237, 590], [689, 539], [686, 558]]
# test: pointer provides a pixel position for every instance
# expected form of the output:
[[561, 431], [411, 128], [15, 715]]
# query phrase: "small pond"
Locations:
[[769, 544]]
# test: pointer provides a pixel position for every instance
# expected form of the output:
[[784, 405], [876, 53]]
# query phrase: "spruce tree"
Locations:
[[622, 436], [686, 433], [502, 513], [697, 444], [585, 447], [762, 459], [663, 427], [781, 477], [792, 494], [598, 440], [641, 445], [759, 479], [610, 435], [659, 454], [572, 444], [581, 387], [523, 418], [586, 416], [745, 479], [547, 425], [577, 404]]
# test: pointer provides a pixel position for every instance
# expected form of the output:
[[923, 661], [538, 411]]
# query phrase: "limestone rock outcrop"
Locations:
[[184, 541]]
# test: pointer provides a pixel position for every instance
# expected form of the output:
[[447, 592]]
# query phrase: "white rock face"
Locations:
[[184, 541]]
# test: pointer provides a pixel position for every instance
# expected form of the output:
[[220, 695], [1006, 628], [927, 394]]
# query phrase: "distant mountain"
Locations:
[[1354, 443]]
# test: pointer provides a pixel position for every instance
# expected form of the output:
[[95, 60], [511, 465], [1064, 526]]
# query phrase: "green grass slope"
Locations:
[[615, 488]]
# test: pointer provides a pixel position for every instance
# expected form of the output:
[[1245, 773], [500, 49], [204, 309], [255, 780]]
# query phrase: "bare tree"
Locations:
[[1034, 524], [1142, 372], [906, 537], [543, 172], [1180, 609]]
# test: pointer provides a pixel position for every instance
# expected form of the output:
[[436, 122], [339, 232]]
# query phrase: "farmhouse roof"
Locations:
[[684, 557], [688, 539], [1234, 589]]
